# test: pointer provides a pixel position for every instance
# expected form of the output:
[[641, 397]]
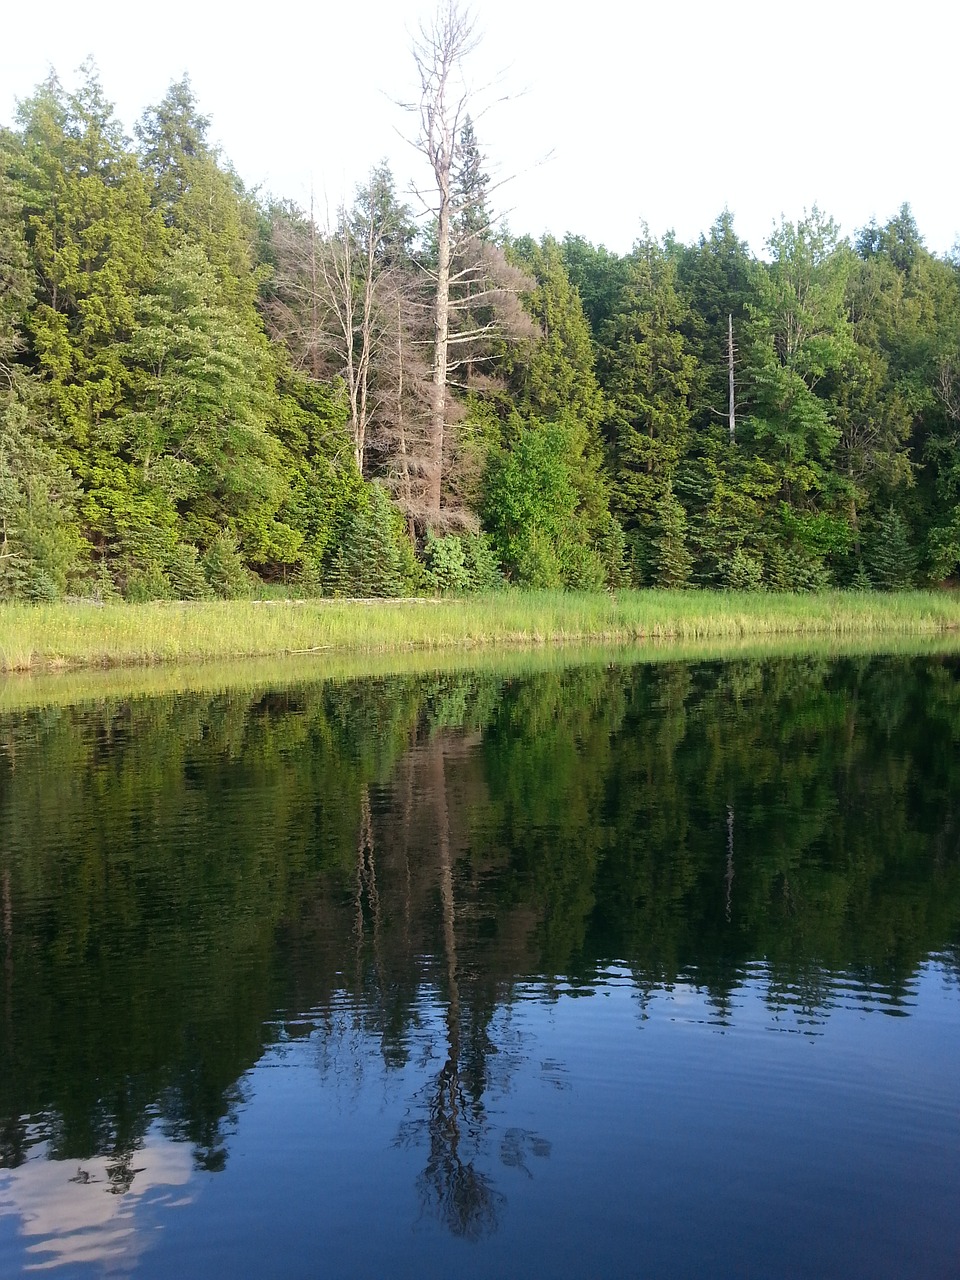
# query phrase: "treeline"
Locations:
[[202, 390]]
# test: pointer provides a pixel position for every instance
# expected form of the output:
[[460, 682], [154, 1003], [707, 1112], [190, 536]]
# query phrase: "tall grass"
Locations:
[[45, 637], [46, 688]]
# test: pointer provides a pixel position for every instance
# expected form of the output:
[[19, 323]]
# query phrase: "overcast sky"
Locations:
[[618, 112]]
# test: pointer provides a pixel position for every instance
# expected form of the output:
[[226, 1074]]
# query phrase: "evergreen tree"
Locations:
[[674, 562], [892, 558], [199, 431], [40, 545], [198, 195], [598, 276], [718, 277], [800, 337], [648, 376], [373, 556], [470, 185], [94, 245], [532, 509]]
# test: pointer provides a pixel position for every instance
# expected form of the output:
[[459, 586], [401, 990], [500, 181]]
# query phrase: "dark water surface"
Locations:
[[645, 970]]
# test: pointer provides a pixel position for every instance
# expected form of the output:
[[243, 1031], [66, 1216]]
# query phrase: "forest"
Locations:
[[206, 391]]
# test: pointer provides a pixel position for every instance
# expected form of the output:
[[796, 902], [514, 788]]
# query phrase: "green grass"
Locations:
[[20, 691], [51, 637]]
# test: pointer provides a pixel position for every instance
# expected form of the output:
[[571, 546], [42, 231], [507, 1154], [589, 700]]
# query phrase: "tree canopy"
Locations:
[[190, 371]]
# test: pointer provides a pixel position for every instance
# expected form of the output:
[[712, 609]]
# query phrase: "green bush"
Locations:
[[185, 573], [796, 570], [149, 583], [482, 564]]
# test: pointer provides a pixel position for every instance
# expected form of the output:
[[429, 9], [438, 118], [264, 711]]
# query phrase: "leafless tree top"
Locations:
[[438, 53]]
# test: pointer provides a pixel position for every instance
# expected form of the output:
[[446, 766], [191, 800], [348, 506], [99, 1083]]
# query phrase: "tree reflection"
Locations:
[[394, 857], [451, 1186]]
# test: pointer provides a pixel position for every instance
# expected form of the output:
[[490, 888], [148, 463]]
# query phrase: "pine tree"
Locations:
[[94, 245], [673, 560], [198, 195], [892, 558], [648, 375], [198, 428], [41, 548]]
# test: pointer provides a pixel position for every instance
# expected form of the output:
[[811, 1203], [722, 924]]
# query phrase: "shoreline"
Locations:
[[82, 636]]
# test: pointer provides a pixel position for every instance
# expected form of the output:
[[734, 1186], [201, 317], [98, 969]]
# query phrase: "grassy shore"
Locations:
[[56, 688], [53, 637]]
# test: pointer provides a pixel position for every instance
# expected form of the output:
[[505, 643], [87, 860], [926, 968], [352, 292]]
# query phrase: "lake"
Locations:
[[590, 968]]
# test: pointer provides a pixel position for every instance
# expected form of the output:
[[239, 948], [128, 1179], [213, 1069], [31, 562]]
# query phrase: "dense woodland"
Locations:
[[203, 390]]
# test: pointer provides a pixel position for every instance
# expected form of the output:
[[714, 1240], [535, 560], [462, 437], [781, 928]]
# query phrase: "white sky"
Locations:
[[663, 113]]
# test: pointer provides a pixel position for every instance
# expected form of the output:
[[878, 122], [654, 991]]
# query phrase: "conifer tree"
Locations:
[[40, 544], [94, 244], [199, 428], [198, 195], [673, 560], [649, 374], [892, 558]]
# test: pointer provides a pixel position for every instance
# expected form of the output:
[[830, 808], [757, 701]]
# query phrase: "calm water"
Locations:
[[601, 971]]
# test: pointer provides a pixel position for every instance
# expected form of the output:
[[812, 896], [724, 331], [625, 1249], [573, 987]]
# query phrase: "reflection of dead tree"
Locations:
[[8, 948], [366, 891], [728, 880], [461, 1196]]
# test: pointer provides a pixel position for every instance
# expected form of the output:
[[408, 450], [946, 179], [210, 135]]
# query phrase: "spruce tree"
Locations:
[[673, 559], [892, 559]]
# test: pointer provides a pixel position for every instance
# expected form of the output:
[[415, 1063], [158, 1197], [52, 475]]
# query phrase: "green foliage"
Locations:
[[93, 244], [224, 569], [41, 548], [673, 560], [891, 556], [373, 555], [612, 550], [648, 374], [309, 579], [532, 509], [199, 432], [445, 566], [480, 558], [146, 417], [470, 185], [185, 571], [147, 583], [199, 197], [743, 572], [944, 547]]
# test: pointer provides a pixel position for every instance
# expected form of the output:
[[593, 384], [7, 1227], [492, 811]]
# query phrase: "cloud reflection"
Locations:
[[93, 1211]]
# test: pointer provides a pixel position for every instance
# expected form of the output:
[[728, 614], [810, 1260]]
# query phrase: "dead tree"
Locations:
[[334, 300], [731, 353], [471, 285]]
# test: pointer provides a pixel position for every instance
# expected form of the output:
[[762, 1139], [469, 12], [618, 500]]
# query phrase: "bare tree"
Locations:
[[473, 290], [335, 299]]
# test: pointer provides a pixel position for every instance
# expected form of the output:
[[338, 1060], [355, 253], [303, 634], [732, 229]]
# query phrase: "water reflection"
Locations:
[[394, 870], [96, 1211]]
